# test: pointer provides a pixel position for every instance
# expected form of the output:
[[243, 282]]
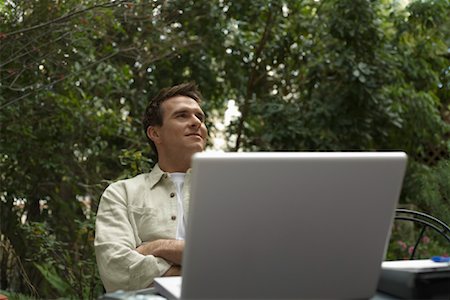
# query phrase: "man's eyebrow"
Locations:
[[186, 110], [179, 111]]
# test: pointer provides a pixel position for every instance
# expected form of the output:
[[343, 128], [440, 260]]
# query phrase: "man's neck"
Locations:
[[172, 166]]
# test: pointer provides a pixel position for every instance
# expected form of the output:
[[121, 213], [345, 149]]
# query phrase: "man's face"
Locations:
[[183, 129]]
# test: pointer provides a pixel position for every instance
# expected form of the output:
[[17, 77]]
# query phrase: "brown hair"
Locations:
[[153, 115]]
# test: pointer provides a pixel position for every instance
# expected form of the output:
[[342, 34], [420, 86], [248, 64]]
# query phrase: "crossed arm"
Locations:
[[170, 250]]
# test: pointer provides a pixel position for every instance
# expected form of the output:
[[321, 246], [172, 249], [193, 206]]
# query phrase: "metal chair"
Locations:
[[426, 221]]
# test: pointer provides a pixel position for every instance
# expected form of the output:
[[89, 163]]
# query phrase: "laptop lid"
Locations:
[[289, 225]]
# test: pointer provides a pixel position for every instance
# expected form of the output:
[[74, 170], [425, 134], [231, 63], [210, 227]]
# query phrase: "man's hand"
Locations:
[[173, 271], [170, 250]]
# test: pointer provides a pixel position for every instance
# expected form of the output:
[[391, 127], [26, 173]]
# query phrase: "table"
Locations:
[[151, 294]]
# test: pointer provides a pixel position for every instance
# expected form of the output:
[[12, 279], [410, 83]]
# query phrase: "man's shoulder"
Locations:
[[133, 181], [139, 181]]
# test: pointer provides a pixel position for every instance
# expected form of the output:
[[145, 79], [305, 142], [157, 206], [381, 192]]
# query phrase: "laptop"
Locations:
[[287, 225]]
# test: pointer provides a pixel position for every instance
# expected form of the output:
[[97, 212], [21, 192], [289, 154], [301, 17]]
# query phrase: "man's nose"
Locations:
[[195, 121]]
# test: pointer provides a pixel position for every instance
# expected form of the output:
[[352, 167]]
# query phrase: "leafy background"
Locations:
[[306, 75]]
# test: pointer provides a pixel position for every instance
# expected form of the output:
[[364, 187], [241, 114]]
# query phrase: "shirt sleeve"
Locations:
[[120, 266]]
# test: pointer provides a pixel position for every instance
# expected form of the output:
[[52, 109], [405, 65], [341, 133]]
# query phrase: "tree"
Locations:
[[66, 96], [306, 75]]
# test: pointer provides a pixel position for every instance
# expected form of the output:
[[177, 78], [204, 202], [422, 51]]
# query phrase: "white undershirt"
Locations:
[[178, 180]]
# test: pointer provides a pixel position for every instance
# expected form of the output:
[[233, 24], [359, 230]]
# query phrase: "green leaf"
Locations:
[[51, 275]]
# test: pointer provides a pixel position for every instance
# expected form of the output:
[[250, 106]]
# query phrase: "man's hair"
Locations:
[[153, 115]]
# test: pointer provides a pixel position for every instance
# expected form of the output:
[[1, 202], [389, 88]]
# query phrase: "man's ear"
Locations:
[[153, 134]]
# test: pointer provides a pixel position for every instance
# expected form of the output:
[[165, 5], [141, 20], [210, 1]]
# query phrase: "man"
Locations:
[[141, 221]]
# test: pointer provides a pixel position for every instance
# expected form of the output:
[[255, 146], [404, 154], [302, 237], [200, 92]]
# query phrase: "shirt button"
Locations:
[[172, 195], [173, 218]]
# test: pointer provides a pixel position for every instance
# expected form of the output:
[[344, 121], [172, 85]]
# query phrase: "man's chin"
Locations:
[[199, 149], [196, 148]]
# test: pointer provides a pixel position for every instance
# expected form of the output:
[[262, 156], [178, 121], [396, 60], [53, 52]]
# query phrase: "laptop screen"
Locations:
[[289, 225]]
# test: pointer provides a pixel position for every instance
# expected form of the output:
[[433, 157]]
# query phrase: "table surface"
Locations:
[[151, 294]]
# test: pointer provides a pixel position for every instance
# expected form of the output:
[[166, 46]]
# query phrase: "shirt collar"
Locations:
[[156, 175]]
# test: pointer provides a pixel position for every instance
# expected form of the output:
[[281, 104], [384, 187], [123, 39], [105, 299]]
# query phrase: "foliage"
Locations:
[[428, 188], [306, 75], [16, 296], [405, 242]]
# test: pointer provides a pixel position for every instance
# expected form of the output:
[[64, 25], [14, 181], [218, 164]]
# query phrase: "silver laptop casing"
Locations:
[[289, 225]]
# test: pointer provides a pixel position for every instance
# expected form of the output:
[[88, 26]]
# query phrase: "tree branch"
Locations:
[[24, 48], [253, 78], [64, 78], [65, 17]]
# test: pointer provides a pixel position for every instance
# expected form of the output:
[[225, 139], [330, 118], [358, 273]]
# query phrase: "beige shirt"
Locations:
[[132, 212]]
